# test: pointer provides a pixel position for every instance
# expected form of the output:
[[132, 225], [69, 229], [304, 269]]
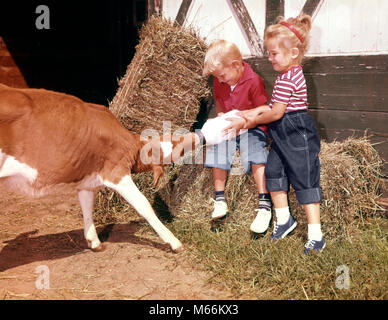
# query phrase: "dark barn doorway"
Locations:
[[86, 49]]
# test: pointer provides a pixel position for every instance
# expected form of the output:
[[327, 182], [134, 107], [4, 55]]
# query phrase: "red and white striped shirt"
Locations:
[[290, 89]]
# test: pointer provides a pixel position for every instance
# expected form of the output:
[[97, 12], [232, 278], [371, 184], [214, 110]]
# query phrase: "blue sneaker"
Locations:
[[280, 231], [315, 245]]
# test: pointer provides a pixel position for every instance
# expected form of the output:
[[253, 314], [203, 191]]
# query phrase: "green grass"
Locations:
[[263, 269]]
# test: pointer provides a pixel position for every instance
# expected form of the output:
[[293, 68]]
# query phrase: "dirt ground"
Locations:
[[43, 255]]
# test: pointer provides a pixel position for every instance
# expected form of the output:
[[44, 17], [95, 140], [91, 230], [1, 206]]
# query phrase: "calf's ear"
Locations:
[[158, 172]]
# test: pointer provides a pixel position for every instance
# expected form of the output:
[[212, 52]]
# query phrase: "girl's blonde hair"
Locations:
[[220, 52], [288, 37]]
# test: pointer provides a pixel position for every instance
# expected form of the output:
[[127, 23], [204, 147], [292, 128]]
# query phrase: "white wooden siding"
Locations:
[[340, 27]]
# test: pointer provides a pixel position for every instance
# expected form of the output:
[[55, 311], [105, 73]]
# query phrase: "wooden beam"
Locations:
[[311, 7], [274, 9], [247, 27], [154, 7], [375, 122], [182, 12]]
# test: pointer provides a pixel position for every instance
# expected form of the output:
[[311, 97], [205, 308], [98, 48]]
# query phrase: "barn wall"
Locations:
[[347, 95], [347, 63], [340, 27]]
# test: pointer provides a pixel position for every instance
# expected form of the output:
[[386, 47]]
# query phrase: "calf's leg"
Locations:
[[128, 190], [86, 199]]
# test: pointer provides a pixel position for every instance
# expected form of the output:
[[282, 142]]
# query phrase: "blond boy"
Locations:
[[237, 87]]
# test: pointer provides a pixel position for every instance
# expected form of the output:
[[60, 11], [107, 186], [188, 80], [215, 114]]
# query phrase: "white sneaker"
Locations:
[[220, 209], [262, 220]]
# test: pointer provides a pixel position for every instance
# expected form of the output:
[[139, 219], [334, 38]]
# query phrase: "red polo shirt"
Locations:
[[249, 92]]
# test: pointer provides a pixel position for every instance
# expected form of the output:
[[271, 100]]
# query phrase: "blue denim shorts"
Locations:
[[253, 150], [293, 157]]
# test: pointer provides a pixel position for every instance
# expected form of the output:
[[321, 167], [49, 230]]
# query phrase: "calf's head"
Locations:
[[158, 152]]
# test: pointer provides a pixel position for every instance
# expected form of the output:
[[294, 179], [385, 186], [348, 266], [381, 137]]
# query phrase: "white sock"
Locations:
[[282, 215], [314, 232]]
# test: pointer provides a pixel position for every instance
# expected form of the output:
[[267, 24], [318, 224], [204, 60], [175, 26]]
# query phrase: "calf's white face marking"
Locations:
[[166, 148]]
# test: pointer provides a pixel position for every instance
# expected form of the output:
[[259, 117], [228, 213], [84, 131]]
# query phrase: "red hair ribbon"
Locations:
[[293, 30]]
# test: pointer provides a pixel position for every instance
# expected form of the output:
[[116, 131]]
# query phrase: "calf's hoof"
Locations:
[[178, 250], [99, 248]]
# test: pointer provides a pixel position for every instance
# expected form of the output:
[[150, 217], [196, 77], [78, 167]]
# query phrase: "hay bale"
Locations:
[[164, 80], [350, 181]]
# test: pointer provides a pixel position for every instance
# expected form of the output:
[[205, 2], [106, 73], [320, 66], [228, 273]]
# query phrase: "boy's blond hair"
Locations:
[[220, 52], [288, 37]]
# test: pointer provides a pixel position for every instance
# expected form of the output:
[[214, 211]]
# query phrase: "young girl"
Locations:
[[293, 158]]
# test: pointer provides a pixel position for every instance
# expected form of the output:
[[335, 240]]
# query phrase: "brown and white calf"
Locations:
[[48, 139]]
